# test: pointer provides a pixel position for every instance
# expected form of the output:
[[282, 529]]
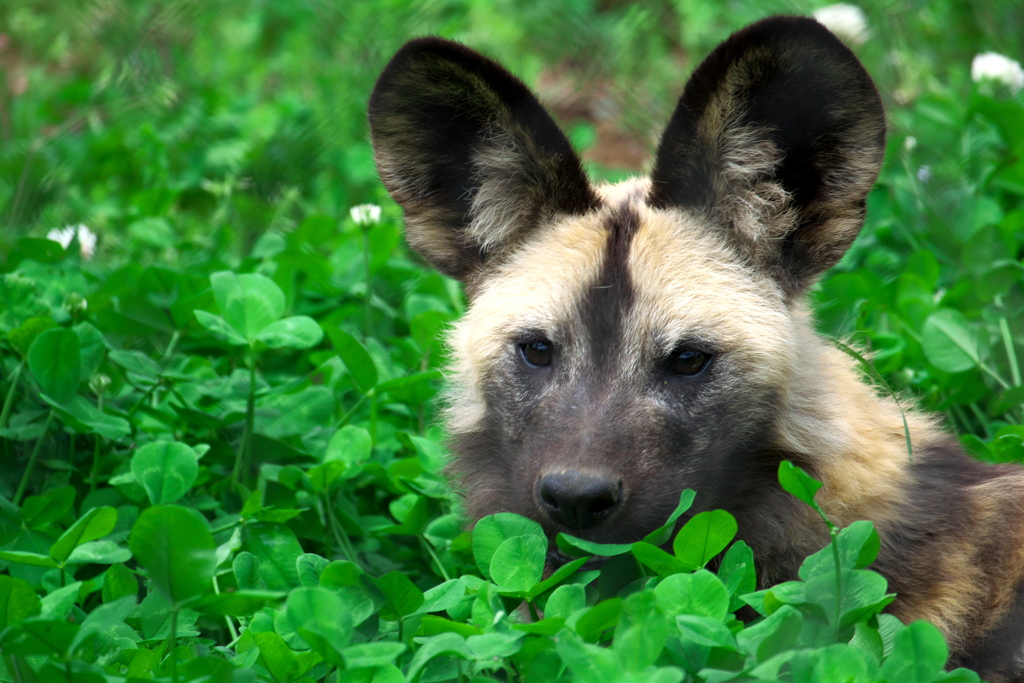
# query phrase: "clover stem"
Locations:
[[366, 264], [839, 576], [340, 535], [241, 461], [174, 644], [171, 345], [95, 471], [231, 624], [433, 555], [5, 412], [32, 460]]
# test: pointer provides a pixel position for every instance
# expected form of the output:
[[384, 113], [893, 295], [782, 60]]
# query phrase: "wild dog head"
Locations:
[[625, 342]]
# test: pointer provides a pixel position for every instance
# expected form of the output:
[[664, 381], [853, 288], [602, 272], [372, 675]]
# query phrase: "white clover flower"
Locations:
[[365, 214], [997, 67], [910, 143], [846, 21], [86, 238]]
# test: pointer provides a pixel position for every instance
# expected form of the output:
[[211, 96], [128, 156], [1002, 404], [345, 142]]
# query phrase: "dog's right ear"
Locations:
[[470, 155]]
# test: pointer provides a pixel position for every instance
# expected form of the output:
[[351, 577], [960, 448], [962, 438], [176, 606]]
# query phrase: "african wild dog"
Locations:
[[625, 342]]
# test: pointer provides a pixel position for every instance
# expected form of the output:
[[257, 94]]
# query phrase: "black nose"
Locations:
[[578, 500]]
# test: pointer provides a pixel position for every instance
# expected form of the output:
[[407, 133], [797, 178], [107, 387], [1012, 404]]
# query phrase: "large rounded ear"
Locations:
[[778, 137], [470, 155]]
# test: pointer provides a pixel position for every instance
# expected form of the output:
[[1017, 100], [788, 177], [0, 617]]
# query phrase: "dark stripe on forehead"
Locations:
[[611, 296]]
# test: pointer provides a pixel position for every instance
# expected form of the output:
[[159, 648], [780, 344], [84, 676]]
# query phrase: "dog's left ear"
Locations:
[[778, 137]]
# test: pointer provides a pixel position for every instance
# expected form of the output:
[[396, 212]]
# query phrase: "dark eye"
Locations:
[[537, 353], [689, 362]]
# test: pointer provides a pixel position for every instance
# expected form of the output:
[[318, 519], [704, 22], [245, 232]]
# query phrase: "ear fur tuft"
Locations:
[[778, 136]]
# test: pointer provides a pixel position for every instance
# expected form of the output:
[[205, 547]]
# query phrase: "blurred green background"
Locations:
[[113, 111], [183, 132]]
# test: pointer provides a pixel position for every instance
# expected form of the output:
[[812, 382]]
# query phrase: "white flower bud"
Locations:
[[997, 67], [365, 214], [86, 238]]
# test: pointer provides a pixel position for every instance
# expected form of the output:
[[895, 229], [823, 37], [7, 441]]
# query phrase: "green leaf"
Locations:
[[104, 619], [99, 552], [662, 534], [737, 572], [42, 637], [241, 603], [587, 662], [136, 362], [443, 644], [297, 332], [372, 654], [176, 548], [490, 646], [277, 657], [31, 559], [557, 577], [858, 544], [771, 635], [948, 341], [47, 508], [220, 328], [55, 361], [641, 633], [359, 363], [431, 455], [797, 482], [85, 418], [700, 594], [598, 619], [21, 338], [58, 604], [443, 597], [246, 568], [320, 617], [278, 550], [863, 595], [493, 530], [402, 596], [166, 469], [657, 559], [705, 631], [565, 600], [518, 563], [350, 445], [703, 537], [249, 303], [92, 348], [309, 566], [119, 581], [577, 547], [96, 523], [919, 654], [17, 601]]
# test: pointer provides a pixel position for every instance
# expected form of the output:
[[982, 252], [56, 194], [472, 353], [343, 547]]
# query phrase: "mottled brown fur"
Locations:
[[759, 186]]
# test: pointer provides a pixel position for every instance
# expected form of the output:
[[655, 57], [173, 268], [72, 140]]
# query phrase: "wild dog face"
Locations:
[[626, 342]]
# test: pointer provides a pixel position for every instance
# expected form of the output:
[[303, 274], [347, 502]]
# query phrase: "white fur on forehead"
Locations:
[[535, 288], [691, 285]]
